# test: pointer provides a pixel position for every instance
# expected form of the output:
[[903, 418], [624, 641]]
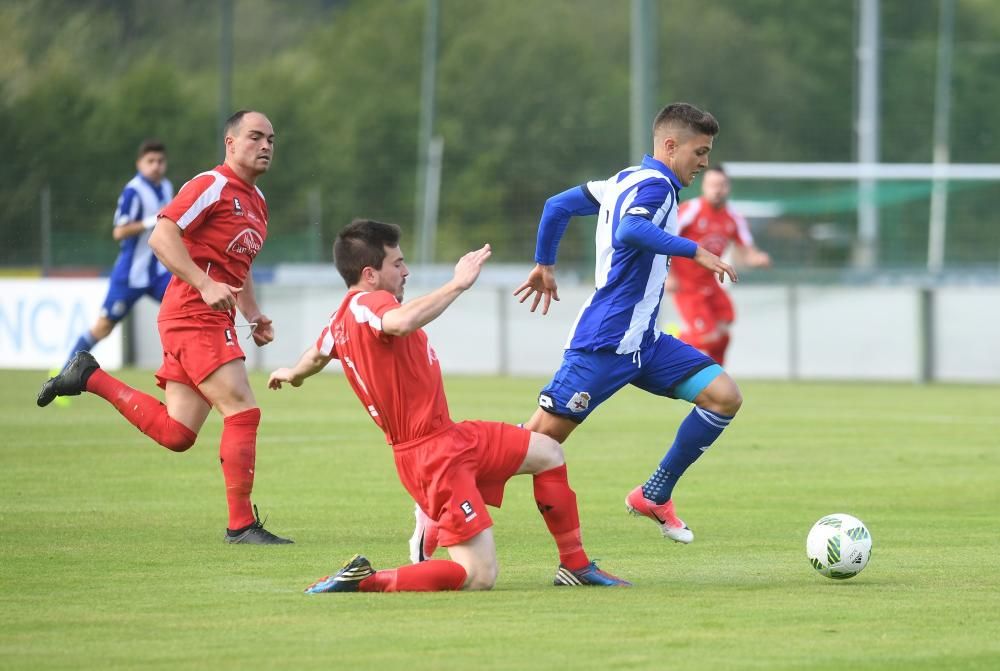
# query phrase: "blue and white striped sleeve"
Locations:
[[558, 210], [652, 203], [129, 207]]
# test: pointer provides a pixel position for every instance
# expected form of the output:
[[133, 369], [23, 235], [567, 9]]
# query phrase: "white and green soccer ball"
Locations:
[[839, 546]]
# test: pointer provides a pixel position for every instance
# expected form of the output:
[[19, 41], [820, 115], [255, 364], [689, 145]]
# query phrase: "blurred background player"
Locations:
[[615, 341], [701, 301], [452, 471], [137, 272], [208, 237]]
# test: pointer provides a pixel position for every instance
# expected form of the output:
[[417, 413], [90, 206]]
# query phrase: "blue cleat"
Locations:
[[589, 575], [346, 579]]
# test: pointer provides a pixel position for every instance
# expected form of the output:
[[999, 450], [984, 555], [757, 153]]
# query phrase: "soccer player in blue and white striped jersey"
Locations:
[[137, 272], [615, 340]]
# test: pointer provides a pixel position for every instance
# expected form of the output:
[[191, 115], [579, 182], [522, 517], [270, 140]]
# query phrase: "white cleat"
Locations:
[[423, 542]]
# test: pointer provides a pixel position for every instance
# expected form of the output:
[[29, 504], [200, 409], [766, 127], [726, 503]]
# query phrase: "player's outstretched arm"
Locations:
[[169, 248], [558, 210], [710, 261], [310, 363], [755, 257], [541, 284], [133, 228], [419, 312]]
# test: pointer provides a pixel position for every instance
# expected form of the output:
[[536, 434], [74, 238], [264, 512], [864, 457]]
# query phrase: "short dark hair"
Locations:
[[717, 167], [234, 121], [687, 116], [361, 244], [150, 145]]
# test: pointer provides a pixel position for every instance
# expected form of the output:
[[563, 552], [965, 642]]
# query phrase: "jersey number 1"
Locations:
[[361, 383]]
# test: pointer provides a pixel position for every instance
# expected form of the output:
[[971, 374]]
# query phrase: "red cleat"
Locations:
[[671, 526]]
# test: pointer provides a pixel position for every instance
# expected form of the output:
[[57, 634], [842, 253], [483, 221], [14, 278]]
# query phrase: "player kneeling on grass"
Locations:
[[451, 470]]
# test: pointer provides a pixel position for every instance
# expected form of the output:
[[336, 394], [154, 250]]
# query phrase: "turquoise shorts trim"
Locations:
[[694, 385]]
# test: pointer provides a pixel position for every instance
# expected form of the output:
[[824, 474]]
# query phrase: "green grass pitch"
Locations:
[[111, 552]]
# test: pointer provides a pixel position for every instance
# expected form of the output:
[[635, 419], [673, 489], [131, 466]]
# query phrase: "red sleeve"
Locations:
[[370, 307], [325, 343], [364, 308], [686, 213], [742, 236], [195, 201]]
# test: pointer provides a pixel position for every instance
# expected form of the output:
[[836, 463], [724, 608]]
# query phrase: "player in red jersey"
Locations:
[[453, 471], [207, 236], [701, 301]]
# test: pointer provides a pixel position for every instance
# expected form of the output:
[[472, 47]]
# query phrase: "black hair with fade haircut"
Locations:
[[149, 146], [234, 121], [687, 116], [361, 244]]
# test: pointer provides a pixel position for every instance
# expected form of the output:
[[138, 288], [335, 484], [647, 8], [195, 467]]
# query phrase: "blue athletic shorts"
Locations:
[[121, 297], [669, 367]]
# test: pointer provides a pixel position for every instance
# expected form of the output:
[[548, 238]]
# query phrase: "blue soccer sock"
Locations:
[[83, 344], [695, 434]]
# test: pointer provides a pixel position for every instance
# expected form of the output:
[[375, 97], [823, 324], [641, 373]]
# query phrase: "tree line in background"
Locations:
[[532, 97]]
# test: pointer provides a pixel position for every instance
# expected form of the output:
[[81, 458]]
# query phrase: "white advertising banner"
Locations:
[[40, 319]]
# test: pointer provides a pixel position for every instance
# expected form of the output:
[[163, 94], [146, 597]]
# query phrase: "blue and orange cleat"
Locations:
[[346, 579], [589, 575]]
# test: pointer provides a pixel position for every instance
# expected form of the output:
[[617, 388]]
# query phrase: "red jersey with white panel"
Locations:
[[397, 378], [712, 228], [224, 224]]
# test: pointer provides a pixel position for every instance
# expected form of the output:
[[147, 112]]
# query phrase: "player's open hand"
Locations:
[[541, 284], [468, 267], [263, 333], [282, 375], [220, 296], [719, 268]]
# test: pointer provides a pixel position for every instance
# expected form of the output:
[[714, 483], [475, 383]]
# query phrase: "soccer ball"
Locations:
[[839, 546]]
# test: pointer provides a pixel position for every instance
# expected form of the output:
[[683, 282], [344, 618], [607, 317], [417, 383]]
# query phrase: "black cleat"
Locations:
[[71, 381], [255, 534]]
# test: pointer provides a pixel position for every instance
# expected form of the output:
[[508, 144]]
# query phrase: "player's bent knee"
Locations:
[[553, 451], [722, 395], [235, 402], [480, 578], [178, 443], [544, 453], [731, 400]]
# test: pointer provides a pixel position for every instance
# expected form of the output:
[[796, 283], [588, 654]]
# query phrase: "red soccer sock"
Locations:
[[237, 453], [144, 412], [557, 504], [717, 350], [433, 575]]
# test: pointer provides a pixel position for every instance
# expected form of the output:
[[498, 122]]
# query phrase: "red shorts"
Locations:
[[453, 475], [702, 310], [194, 347]]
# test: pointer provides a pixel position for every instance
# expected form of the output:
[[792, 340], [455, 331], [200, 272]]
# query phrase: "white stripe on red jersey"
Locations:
[[208, 197], [743, 235], [223, 222]]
